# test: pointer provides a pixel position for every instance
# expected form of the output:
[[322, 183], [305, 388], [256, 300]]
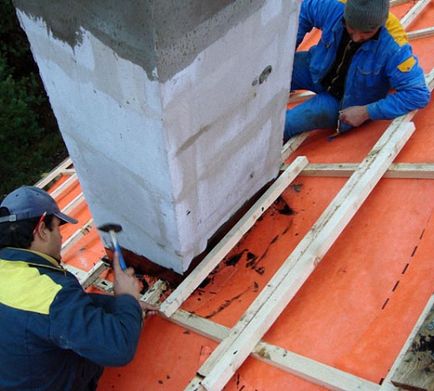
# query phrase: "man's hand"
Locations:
[[148, 309], [125, 281], [354, 115]]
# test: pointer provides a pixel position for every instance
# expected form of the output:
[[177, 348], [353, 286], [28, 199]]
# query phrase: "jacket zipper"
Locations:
[[347, 47]]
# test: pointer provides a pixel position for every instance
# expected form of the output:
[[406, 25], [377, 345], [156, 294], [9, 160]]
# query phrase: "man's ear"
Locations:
[[40, 232]]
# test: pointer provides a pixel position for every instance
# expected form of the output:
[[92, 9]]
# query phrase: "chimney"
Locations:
[[172, 111]]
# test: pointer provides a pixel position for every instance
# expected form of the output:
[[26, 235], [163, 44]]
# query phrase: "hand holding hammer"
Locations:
[[113, 229], [125, 279]]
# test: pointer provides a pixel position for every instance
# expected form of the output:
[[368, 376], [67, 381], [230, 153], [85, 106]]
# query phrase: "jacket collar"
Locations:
[[31, 257], [339, 27], [374, 41]]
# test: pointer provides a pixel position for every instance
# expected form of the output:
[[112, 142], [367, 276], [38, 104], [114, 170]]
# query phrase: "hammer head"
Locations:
[[110, 227]]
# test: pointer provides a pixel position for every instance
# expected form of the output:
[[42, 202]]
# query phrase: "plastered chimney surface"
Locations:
[[172, 111]]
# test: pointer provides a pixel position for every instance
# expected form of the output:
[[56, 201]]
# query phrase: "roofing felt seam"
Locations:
[[396, 170]]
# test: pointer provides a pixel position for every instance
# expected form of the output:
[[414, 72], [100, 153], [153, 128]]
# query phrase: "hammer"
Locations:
[[112, 229]]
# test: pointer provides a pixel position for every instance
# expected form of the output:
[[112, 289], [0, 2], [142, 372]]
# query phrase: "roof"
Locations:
[[359, 302]]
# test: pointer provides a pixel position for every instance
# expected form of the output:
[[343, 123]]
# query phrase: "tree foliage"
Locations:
[[30, 142]]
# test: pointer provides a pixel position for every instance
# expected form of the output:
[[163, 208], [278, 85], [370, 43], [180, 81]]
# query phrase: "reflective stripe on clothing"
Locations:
[[54, 335], [23, 287]]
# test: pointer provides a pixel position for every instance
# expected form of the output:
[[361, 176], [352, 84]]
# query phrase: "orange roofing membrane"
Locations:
[[357, 308]]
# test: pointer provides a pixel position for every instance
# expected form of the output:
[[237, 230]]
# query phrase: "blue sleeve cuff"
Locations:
[[373, 111]]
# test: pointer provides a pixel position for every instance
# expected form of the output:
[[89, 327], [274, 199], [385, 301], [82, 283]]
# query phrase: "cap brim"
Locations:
[[65, 218]]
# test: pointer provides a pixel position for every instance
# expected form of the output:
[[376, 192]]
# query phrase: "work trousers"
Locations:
[[320, 111]]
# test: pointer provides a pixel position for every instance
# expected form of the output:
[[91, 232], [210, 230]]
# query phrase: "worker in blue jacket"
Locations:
[[54, 335], [362, 68]]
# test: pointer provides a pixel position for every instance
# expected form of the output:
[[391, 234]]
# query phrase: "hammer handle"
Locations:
[[117, 250]]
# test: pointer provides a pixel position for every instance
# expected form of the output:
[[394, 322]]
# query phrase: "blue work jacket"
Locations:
[[54, 335], [379, 65]]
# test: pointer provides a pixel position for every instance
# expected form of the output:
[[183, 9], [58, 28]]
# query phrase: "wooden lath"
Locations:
[[77, 235], [414, 12], [394, 372], [86, 279], [308, 369], [416, 370], [292, 144], [65, 168], [273, 355], [78, 199], [61, 188], [396, 170], [394, 3], [184, 290], [59, 170], [422, 33]]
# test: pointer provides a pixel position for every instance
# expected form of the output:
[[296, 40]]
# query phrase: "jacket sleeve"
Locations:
[[104, 330], [102, 300], [316, 13], [407, 80]]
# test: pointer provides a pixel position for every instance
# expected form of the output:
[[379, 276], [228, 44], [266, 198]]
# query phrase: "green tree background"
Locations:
[[30, 141]]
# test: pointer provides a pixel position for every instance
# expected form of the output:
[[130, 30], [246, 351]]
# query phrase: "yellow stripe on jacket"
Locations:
[[395, 29], [22, 287]]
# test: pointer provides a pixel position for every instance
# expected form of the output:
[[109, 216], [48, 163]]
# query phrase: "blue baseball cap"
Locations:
[[28, 202]]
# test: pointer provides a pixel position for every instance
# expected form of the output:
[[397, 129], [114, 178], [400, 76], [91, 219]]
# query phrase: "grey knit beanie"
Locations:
[[366, 15]]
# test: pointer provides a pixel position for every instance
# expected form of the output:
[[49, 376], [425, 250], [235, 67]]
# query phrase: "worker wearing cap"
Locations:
[[54, 335], [362, 68]]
